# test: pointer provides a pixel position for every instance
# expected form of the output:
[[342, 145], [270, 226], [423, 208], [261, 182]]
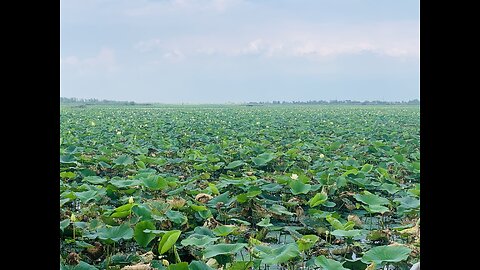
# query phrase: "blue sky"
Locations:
[[218, 51]]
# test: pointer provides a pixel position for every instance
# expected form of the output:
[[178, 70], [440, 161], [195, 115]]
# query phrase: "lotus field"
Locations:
[[239, 187]]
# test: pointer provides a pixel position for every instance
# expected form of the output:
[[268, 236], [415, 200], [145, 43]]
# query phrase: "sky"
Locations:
[[222, 51]]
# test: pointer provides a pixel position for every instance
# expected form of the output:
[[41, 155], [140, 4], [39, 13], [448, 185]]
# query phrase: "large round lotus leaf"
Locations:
[[123, 160], [214, 250], [386, 254], [97, 180], [86, 196], [371, 199], [155, 183], [234, 164], [224, 230], [176, 217], [376, 208], [307, 242], [121, 183], [198, 265], [241, 198], [198, 240], [142, 238], [142, 211], [279, 255], [67, 159], [408, 202], [115, 233], [298, 187], [328, 264], [263, 159], [350, 233], [390, 188], [203, 231]]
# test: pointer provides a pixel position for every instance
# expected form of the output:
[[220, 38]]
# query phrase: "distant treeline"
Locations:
[[93, 101], [337, 102], [88, 101]]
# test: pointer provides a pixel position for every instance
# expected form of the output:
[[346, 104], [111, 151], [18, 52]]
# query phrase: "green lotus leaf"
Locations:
[[96, 180], [121, 183], [142, 238], [240, 265], [168, 240], [155, 183], [366, 168], [64, 224], [343, 233], [224, 230], [298, 187], [376, 208], [198, 240], [115, 233], [178, 266], [318, 199], [280, 209], [198, 265], [273, 256], [123, 160], [307, 242], [68, 175], [371, 199], [214, 250], [328, 264], [234, 164], [86, 196], [263, 159], [265, 222], [176, 217], [386, 254]]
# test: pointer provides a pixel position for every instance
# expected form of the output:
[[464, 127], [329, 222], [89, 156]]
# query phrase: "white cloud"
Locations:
[[148, 45], [174, 55], [71, 60], [254, 47], [168, 6], [104, 60], [398, 40], [222, 5]]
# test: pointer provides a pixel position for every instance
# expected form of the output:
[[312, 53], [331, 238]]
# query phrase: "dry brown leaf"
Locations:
[[73, 258], [356, 219], [147, 257], [176, 203], [371, 266], [139, 266], [203, 197]]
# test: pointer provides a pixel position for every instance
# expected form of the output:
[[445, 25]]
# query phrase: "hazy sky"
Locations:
[[216, 51]]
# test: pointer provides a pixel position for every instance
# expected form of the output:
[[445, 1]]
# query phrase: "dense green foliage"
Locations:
[[235, 187]]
